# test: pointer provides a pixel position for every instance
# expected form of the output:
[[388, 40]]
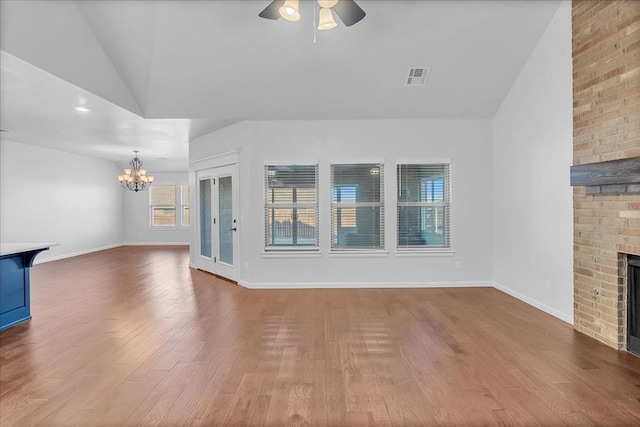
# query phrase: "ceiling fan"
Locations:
[[347, 10]]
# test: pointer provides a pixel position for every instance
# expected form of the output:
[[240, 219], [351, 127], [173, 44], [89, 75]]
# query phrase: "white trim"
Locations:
[[359, 161], [192, 265], [291, 254], [347, 285], [229, 153], [422, 162], [426, 253], [359, 254], [78, 253], [216, 161], [167, 228], [155, 244], [534, 303], [291, 163]]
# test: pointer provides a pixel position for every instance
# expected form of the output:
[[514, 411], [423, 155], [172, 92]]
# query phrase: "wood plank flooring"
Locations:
[[132, 336]]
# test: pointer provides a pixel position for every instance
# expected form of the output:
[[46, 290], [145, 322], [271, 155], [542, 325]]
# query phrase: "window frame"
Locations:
[[297, 249], [177, 206], [441, 250], [183, 204], [358, 251]]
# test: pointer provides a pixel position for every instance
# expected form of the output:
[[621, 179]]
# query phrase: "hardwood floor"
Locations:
[[132, 336]]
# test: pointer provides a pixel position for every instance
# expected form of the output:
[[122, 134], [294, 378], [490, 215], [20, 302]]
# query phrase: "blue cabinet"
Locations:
[[15, 300]]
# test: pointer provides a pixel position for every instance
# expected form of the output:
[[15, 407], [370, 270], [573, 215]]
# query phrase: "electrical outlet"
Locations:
[[547, 284], [595, 292], [246, 265], [458, 265]]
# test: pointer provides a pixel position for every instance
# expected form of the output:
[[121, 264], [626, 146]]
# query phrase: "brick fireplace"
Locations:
[[606, 115]]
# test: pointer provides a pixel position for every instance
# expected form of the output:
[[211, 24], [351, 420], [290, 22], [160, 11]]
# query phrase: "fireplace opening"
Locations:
[[633, 308]]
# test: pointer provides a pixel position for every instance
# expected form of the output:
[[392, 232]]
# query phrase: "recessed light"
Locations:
[[82, 109]]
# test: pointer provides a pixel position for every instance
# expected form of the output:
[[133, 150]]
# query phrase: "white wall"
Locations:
[[466, 142], [57, 197], [532, 199], [136, 213]]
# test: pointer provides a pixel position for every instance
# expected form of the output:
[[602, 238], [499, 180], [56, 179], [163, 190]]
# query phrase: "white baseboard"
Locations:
[[537, 304], [78, 253], [104, 248], [155, 244], [379, 285], [192, 265]]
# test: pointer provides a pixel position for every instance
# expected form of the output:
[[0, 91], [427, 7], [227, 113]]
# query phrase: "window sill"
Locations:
[[168, 228], [359, 254], [425, 253], [291, 254]]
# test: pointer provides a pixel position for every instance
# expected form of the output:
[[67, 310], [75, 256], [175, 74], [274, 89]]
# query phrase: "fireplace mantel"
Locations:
[[623, 172]]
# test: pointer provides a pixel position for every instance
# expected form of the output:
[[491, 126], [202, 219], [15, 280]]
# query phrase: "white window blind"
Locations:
[[291, 207], [357, 206], [424, 206], [162, 199]]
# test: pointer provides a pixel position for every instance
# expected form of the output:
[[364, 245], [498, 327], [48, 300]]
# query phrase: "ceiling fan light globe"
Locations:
[[326, 21], [292, 18], [327, 3], [289, 10]]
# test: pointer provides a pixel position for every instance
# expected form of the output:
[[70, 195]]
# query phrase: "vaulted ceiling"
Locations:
[[196, 66]]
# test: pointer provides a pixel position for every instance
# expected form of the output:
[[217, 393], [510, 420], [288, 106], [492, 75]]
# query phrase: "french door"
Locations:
[[217, 221]]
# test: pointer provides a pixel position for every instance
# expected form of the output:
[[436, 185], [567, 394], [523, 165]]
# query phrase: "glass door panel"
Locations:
[[205, 217], [227, 221]]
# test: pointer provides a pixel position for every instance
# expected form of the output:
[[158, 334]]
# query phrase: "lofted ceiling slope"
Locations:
[[217, 59], [185, 68]]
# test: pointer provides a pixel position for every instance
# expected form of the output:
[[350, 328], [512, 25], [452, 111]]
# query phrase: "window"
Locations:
[[291, 207], [186, 213], [166, 211], [423, 206], [357, 206], [163, 205]]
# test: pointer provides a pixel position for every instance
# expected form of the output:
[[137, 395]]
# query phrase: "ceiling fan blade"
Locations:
[[348, 12], [272, 11]]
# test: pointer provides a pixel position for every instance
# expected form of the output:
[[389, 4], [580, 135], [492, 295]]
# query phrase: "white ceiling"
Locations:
[[39, 108], [165, 71]]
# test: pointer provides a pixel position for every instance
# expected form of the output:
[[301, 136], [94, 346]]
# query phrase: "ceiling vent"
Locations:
[[417, 76]]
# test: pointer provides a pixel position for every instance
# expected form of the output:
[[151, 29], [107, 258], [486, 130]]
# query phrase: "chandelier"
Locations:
[[136, 178]]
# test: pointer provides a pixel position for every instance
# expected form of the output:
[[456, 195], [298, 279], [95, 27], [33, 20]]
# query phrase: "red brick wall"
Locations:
[[606, 115]]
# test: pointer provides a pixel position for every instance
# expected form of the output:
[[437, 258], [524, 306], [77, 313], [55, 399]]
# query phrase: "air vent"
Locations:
[[417, 76]]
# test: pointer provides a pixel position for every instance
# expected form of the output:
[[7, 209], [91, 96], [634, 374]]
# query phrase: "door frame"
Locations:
[[198, 169]]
